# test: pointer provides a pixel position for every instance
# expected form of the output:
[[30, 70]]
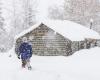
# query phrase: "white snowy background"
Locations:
[[83, 65]]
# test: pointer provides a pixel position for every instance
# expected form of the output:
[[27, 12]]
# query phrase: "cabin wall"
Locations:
[[92, 43], [78, 45], [98, 43], [85, 44]]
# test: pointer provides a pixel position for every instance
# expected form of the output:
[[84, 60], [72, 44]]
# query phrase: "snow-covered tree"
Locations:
[[15, 16], [29, 7], [23, 14], [1, 18], [81, 11]]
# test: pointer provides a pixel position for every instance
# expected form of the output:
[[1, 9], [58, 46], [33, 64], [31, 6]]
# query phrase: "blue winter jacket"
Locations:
[[25, 51]]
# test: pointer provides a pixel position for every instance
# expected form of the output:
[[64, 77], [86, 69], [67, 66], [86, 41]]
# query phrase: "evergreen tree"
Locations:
[[1, 18], [29, 12]]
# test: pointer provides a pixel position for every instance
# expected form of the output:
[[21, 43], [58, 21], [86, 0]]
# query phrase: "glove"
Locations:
[[18, 57]]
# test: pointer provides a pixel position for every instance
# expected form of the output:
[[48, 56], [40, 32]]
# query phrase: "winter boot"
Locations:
[[29, 68], [23, 64]]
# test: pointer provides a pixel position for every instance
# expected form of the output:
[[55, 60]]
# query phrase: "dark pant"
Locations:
[[26, 63], [23, 63]]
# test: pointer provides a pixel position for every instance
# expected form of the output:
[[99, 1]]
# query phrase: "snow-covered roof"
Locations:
[[68, 29]]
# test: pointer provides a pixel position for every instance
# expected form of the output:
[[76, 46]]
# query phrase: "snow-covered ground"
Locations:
[[83, 65]]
